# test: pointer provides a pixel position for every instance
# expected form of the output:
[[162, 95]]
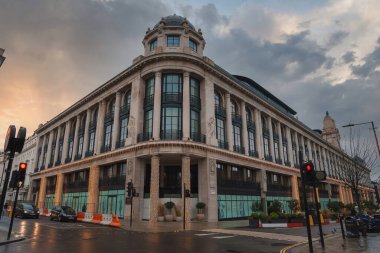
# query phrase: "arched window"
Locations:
[[218, 99], [124, 119]]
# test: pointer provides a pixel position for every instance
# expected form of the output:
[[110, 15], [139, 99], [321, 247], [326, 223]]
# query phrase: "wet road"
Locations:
[[45, 236]]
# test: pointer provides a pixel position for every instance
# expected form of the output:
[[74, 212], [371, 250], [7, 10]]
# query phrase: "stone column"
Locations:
[[325, 165], [341, 195], [58, 189], [93, 189], [186, 180], [308, 143], [57, 145], [297, 148], [65, 142], [100, 127], [290, 147], [116, 121], [41, 162], [48, 155], [154, 188], [208, 121], [42, 193], [212, 201], [295, 190], [186, 107], [303, 148], [229, 123], [271, 144], [280, 146], [157, 107], [259, 134], [244, 130], [350, 195], [75, 146], [136, 116], [264, 189], [86, 133]]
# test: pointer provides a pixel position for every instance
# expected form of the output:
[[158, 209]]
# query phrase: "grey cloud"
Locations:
[[336, 38], [348, 57], [372, 61]]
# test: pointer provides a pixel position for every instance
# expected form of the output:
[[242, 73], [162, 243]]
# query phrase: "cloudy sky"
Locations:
[[313, 55]]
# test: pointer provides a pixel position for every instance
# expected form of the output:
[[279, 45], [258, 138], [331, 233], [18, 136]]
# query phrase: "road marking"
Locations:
[[281, 237], [223, 237], [206, 234]]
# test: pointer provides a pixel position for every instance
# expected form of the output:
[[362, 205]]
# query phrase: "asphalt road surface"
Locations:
[[45, 236]]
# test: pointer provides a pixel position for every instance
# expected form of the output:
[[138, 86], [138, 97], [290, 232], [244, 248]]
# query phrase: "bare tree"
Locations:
[[360, 161]]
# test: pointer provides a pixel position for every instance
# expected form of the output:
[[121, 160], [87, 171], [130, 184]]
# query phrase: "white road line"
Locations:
[[206, 234], [223, 237]]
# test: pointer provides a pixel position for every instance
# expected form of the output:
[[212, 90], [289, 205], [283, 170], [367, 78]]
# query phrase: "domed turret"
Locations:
[[330, 133], [174, 34]]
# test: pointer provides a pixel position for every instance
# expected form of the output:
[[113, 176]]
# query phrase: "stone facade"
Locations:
[[175, 118]]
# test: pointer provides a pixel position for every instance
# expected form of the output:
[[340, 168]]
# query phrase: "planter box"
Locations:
[[297, 220], [279, 220], [253, 222]]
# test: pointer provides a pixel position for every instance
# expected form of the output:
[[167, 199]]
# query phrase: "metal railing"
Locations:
[[195, 101], [223, 144], [220, 111], [120, 143], [149, 100], [112, 182], [125, 109], [236, 118], [198, 137], [105, 148], [253, 153], [239, 149], [279, 190], [169, 98], [75, 186], [145, 136]]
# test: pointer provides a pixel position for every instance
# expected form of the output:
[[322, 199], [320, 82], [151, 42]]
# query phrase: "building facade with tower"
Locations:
[[175, 120]]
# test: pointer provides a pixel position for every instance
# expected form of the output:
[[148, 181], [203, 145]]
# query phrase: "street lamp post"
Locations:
[[373, 128]]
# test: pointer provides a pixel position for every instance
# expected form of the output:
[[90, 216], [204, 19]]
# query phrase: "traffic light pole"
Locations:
[[6, 181], [305, 202], [130, 214], [184, 206], [318, 217], [13, 214]]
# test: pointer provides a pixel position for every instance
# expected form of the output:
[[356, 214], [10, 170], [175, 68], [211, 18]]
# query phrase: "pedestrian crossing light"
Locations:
[[21, 173]]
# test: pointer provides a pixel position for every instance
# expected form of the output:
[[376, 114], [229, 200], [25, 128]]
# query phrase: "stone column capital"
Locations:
[[186, 74], [157, 74]]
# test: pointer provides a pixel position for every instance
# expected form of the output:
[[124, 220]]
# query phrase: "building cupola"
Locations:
[[330, 133], [173, 34]]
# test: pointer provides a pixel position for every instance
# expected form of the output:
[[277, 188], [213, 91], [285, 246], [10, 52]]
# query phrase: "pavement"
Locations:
[[4, 227], [335, 243]]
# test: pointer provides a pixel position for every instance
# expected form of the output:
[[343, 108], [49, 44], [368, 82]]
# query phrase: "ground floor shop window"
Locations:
[[76, 200], [283, 200], [49, 201], [235, 206], [112, 202]]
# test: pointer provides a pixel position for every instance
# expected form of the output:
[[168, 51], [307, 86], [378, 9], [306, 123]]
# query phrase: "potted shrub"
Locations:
[[178, 214], [160, 213], [255, 218], [297, 218], [169, 206], [200, 210]]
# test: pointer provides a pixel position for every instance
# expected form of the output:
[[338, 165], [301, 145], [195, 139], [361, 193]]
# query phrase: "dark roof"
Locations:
[[174, 20]]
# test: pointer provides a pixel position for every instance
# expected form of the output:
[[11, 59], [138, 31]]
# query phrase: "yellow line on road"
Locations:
[[300, 243]]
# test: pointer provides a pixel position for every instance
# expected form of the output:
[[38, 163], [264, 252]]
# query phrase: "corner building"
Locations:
[[175, 118]]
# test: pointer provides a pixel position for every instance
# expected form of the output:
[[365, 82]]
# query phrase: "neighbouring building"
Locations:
[[176, 119]]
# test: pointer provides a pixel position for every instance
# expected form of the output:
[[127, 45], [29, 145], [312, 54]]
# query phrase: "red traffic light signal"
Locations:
[[309, 173], [308, 167], [22, 166]]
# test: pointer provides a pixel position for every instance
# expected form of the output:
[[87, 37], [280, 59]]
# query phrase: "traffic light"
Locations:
[[309, 173], [129, 189], [14, 179], [21, 173]]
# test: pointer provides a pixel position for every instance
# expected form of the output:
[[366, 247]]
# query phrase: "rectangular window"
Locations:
[[237, 136], [266, 146], [149, 87], [171, 122], [71, 145], [153, 44], [194, 87], [80, 146], [193, 45], [194, 122], [285, 152], [108, 135], [173, 40], [148, 124], [123, 129], [251, 142], [172, 83], [220, 133], [276, 150], [91, 142]]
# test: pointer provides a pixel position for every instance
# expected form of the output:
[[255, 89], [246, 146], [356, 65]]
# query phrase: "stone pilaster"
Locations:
[[244, 130], [154, 188], [290, 146], [264, 189], [295, 190], [100, 127], [208, 120], [157, 107], [48, 155], [42, 193], [280, 146], [212, 202], [186, 183], [341, 195], [136, 116], [259, 134], [58, 189], [186, 107], [230, 137], [86, 133], [271, 144], [75, 147], [65, 141], [57, 145], [116, 121], [93, 189], [303, 148], [41, 162]]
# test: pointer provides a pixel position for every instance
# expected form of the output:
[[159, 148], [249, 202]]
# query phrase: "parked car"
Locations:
[[374, 225], [63, 213], [27, 210]]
